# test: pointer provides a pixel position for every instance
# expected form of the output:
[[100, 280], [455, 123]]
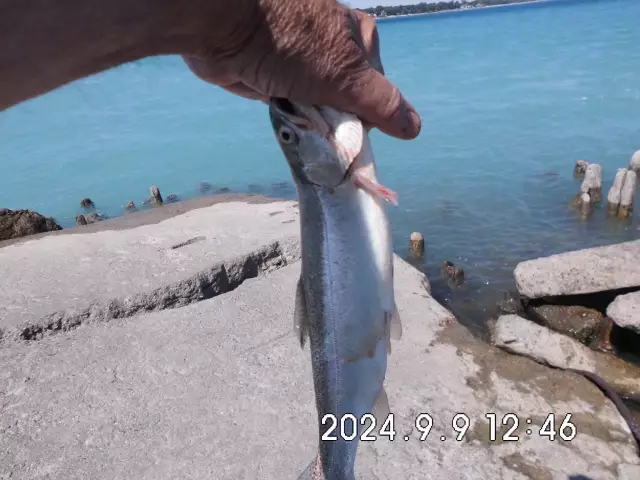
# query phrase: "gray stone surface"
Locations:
[[57, 282], [579, 322], [613, 197], [581, 271], [634, 164], [523, 337], [220, 389], [625, 311]]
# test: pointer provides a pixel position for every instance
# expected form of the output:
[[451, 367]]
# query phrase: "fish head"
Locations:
[[319, 143]]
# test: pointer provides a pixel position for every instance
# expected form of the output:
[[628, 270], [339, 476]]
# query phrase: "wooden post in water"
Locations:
[[635, 162], [592, 183], [156, 197], [416, 244], [585, 204], [580, 168], [613, 197], [627, 194]]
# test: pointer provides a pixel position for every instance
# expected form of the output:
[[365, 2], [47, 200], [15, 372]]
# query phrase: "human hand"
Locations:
[[309, 51]]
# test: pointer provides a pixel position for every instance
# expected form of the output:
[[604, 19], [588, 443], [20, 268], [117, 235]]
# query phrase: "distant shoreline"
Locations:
[[404, 15]]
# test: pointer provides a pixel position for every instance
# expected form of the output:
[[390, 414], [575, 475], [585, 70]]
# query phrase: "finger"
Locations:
[[243, 90], [379, 103], [370, 41]]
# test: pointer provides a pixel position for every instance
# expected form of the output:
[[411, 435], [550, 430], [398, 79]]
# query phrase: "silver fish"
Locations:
[[345, 300]]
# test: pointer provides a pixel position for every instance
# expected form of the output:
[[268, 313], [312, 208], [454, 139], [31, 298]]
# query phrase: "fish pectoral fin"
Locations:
[[381, 407], [300, 316]]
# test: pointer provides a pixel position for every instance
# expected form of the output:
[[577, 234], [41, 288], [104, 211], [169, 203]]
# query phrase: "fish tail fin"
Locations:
[[313, 470]]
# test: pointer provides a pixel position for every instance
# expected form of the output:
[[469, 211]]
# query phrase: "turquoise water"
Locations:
[[510, 98]]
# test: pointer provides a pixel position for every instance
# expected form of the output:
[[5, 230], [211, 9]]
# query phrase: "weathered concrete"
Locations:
[[627, 194], [57, 282], [592, 183], [523, 337], [220, 389], [634, 164], [583, 271], [625, 311], [613, 197]]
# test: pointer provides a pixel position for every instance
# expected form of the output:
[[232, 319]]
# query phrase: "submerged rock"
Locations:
[[21, 223], [511, 303], [131, 205], [579, 322], [171, 198], [87, 203], [205, 187], [454, 273], [81, 220]]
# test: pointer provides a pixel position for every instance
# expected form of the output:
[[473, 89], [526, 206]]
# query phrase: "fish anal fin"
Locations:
[[300, 315], [381, 407]]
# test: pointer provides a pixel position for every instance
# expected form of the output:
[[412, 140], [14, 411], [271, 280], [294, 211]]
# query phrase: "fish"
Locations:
[[344, 302]]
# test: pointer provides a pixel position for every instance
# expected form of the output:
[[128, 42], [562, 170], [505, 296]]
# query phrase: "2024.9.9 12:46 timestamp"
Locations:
[[345, 427]]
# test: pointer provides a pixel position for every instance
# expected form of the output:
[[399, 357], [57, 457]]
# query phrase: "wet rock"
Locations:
[[416, 244], [581, 167], [634, 164], [454, 273], [223, 190], [131, 205], [254, 188], [578, 322], [510, 303], [87, 203], [627, 194], [81, 220], [205, 187], [171, 198], [611, 267], [625, 311], [21, 223], [613, 197]]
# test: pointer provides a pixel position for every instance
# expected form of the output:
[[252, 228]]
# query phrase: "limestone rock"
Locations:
[[625, 311], [21, 223], [582, 271], [578, 322], [520, 336]]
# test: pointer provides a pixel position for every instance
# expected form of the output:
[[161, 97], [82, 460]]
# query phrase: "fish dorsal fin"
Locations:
[[381, 406], [300, 316]]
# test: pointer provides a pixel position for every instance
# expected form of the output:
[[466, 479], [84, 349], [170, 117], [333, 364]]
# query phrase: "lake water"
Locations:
[[510, 98]]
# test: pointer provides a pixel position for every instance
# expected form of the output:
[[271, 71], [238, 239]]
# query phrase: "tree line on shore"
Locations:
[[423, 7]]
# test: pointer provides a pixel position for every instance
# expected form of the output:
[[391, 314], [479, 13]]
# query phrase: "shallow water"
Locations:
[[510, 98]]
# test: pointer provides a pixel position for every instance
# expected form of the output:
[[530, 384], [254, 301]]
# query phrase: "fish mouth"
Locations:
[[287, 110]]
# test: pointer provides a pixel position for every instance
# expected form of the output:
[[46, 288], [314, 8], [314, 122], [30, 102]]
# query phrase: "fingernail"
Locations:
[[416, 124]]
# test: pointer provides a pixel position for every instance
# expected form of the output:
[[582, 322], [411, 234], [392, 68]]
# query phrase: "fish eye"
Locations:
[[286, 135]]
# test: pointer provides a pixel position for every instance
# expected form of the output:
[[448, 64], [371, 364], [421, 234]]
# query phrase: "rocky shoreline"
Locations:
[[168, 330]]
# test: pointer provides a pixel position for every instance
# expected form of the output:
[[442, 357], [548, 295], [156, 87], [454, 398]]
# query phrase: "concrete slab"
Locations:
[[583, 271], [59, 281], [220, 389], [625, 311]]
